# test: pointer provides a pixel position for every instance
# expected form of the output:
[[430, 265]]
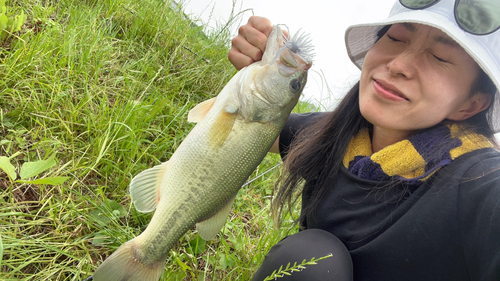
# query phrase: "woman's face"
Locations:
[[414, 77]]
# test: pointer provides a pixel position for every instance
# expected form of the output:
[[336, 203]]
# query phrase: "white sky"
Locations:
[[326, 21]]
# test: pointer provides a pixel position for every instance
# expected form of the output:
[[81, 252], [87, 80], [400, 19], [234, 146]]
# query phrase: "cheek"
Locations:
[[370, 62], [364, 81], [375, 62], [446, 95], [365, 102]]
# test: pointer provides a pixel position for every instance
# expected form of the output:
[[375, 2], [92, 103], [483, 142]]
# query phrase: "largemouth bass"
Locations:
[[234, 131]]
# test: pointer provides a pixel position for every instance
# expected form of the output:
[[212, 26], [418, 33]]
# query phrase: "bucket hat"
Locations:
[[441, 14]]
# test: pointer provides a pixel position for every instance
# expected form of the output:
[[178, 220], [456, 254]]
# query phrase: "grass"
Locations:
[[103, 88]]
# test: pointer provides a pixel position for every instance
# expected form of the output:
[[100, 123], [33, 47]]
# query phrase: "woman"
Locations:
[[402, 179]]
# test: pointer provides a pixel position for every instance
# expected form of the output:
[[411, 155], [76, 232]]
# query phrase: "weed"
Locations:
[[290, 269], [10, 21]]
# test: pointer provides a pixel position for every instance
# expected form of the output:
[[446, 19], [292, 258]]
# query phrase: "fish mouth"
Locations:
[[295, 53], [290, 62], [300, 44]]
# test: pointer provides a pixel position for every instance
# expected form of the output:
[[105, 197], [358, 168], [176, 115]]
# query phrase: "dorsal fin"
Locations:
[[197, 114], [208, 228], [145, 188]]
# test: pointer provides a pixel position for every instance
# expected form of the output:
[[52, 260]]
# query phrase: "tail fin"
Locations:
[[123, 265]]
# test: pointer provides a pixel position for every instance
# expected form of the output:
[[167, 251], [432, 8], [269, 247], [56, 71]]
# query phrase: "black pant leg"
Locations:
[[306, 245]]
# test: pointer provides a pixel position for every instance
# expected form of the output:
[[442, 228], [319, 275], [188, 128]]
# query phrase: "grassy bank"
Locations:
[[92, 93]]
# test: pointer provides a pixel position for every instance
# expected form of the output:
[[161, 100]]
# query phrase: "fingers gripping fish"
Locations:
[[234, 131]]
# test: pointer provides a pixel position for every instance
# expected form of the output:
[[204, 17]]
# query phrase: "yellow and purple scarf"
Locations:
[[412, 160]]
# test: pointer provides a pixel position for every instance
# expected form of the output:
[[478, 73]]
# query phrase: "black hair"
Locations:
[[329, 137]]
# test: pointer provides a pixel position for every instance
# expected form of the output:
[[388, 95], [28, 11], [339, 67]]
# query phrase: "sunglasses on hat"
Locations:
[[478, 17]]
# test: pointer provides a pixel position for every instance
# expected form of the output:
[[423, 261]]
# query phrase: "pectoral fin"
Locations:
[[145, 188], [221, 128], [208, 228], [197, 114]]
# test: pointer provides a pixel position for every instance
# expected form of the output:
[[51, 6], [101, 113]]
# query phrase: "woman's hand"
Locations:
[[250, 44]]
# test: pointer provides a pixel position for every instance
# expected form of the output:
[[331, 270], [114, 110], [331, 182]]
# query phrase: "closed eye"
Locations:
[[392, 38], [440, 59]]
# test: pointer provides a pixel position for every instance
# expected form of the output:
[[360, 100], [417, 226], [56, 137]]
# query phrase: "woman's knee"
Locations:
[[305, 245]]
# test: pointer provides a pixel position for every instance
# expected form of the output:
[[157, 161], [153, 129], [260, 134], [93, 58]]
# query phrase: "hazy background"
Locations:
[[326, 21]]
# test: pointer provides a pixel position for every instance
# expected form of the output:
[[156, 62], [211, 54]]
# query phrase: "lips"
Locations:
[[388, 91]]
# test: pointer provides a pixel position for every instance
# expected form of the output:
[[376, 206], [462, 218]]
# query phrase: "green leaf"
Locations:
[[30, 169], [101, 238], [210, 259], [20, 20], [50, 181], [197, 245], [4, 20], [237, 242], [7, 167], [10, 24], [226, 261], [109, 209], [117, 210], [176, 275], [100, 216], [183, 266]]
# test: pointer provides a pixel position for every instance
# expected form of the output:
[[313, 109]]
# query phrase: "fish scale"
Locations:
[[198, 184], [235, 173]]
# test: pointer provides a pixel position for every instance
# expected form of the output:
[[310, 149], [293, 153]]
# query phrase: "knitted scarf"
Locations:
[[412, 160]]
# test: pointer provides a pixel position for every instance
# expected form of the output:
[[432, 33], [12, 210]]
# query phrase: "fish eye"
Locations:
[[295, 85]]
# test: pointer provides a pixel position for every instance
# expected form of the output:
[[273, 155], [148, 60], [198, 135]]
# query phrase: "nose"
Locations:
[[404, 64]]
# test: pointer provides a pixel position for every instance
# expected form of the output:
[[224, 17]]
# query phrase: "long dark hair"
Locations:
[[315, 156]]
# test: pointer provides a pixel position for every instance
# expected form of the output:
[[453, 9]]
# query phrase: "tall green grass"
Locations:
[[103, 87]]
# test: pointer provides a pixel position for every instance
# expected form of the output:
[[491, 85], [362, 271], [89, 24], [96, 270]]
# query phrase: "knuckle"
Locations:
[[243, 29], [231, 55], [253, 18], [236, 42]]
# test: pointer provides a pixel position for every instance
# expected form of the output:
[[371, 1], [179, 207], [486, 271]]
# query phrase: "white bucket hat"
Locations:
[[484, 49]]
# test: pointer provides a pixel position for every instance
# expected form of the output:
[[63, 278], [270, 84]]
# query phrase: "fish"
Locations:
[[198, 184]]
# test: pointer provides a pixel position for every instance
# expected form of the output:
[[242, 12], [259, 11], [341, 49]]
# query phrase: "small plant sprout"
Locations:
[[31, 169], [288, 270], [9, 22]]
